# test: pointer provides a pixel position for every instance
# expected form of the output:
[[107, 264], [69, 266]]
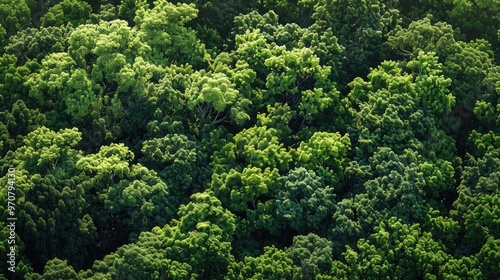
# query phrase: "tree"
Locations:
[[312, 254], [273, 264], [179, 161], [424, 36], [215, 19], [325, 152], [480, 221], [53, 270], [205, 224], [477, 19], [292, 65], [75, 12], [128, 8], [197, 245], [388, 112], [246, 173], [47, 86], [14, 16], [465, 63], [50, 198], [128, 198], [431, 86], [163, 28], [487, 108], [167, 111], [488, 258], [91, 83], [394, 188], [477, 191], [461, 268], [12, 78], [303, 201], [209, 96], [297, 79], [396, 249], [16, 124], [361, 26], [32, 43]]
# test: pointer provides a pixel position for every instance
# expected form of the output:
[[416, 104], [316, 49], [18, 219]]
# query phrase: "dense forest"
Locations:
[[259, 139]]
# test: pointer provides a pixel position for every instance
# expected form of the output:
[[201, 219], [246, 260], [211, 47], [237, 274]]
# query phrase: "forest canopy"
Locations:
[[197, 139]]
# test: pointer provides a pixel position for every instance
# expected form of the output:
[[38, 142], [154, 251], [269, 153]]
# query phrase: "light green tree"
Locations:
[[75, 12]]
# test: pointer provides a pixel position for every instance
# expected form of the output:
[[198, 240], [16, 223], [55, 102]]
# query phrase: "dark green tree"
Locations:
[[14, 16], [272, 264], [362, 27], [312, 254], [12, 78], [197, 245], [33, 43], [128, 198], [55, 269], [477, 192], [303, 202], [398, 250], [16, 124], [53, 214], [180, 162]]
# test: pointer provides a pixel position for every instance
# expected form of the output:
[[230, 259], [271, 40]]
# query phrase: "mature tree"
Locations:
[[489, 258], [246, 173], [460, 268], [32, 43], [163, 28], [210, 96], [476, 18], [466, 63], [202, 237], [397, 250], [480, 221], [388, 111], [297, 79], [197, 245], [128, 198], [442, 227], [292, 65], [97, 84], [12, 78], [53, 212], [180, 162], [487, 108], [303, 202], [66, 92], [393, 186], [75, 12], [14, 16], [326, 153], [127, 8], [266, 23], [55, 269], [312, 254], [477, 193], [15, 124], [215, 18], [430, 85], [272, 264], [424, 35], [361, 26], [166, 108]]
